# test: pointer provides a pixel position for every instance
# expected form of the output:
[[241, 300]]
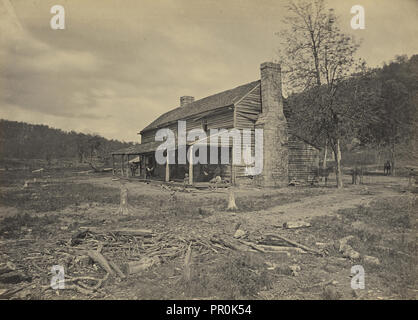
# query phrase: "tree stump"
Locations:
[[187, 271], [231, 203], [123, 208]]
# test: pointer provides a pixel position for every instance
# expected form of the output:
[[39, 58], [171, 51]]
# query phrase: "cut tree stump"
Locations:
[[123, 208], [231, 203], [187, 271]]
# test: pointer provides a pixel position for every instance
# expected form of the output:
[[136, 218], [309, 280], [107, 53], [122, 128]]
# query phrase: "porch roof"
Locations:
[[138, 148]]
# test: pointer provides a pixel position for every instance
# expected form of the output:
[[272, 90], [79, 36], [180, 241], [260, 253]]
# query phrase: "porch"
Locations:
[[138, 163]]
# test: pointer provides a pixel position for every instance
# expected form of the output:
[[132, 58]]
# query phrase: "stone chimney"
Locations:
[[186, 100], [274, 125]]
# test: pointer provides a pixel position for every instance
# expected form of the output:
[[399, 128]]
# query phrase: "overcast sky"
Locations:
[[120, 64]]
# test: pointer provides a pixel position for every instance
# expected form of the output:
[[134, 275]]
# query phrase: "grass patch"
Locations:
[[12, 227], [236, 276], [385, 230], [56, 196], [269, 200]]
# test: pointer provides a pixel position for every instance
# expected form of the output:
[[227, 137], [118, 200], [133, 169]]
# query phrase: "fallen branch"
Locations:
[[9, 293], [134, 232], [78, 288], [83, 172], [267, 248], [296, 224], [252, 246], [224, 243], [81, 288], [117, 269], [101, 260], [296, 244], [141, 265]]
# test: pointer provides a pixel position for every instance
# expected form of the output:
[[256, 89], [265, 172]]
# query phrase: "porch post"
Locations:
[[122, 161], [191, 165], [113, 164], [232, 175], [127, 166], [232, 167], [139, 166], [167, 169], [144, 167]]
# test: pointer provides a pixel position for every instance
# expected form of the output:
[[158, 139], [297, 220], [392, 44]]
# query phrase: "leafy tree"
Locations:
[[316, 58]]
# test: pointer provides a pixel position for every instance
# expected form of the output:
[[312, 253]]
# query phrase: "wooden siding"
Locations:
[[246, 114], [248, 109], [303, 160]]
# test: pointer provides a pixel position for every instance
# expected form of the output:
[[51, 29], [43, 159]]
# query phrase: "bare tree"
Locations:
[[315, 54]]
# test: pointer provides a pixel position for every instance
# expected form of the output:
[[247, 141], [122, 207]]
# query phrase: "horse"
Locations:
[[324, 173], [357, 175], [387, 168]]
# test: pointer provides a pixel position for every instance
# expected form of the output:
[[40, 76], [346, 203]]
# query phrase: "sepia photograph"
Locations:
[[227, 152]]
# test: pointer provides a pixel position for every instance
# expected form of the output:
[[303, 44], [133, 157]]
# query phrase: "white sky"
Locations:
[[120, 64]]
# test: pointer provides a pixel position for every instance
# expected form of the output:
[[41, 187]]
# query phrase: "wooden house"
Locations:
[[255, 105]]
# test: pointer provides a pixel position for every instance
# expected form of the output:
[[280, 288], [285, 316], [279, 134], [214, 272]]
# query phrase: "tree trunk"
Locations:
[[338, 169], [324, 161], [392, 156], [378, 151]]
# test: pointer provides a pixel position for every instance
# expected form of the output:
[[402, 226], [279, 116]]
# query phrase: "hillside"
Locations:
[[20, 140]]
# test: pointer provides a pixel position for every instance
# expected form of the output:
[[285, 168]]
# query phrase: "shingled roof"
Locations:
[[213, 102], [219, 100]]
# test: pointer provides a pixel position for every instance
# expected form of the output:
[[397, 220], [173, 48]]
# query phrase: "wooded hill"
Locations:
[[374, 110], [20, 140]]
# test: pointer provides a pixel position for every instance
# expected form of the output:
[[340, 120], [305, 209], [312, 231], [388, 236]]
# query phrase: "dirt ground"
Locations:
[[191, 249]]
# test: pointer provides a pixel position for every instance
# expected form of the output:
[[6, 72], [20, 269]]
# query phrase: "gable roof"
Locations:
[[216, 101]]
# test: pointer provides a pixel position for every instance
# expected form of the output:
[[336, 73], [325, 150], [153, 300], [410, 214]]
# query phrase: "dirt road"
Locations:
[[320, 205]]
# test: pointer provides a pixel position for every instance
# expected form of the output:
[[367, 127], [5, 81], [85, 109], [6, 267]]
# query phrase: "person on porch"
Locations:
[[149, 171]]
